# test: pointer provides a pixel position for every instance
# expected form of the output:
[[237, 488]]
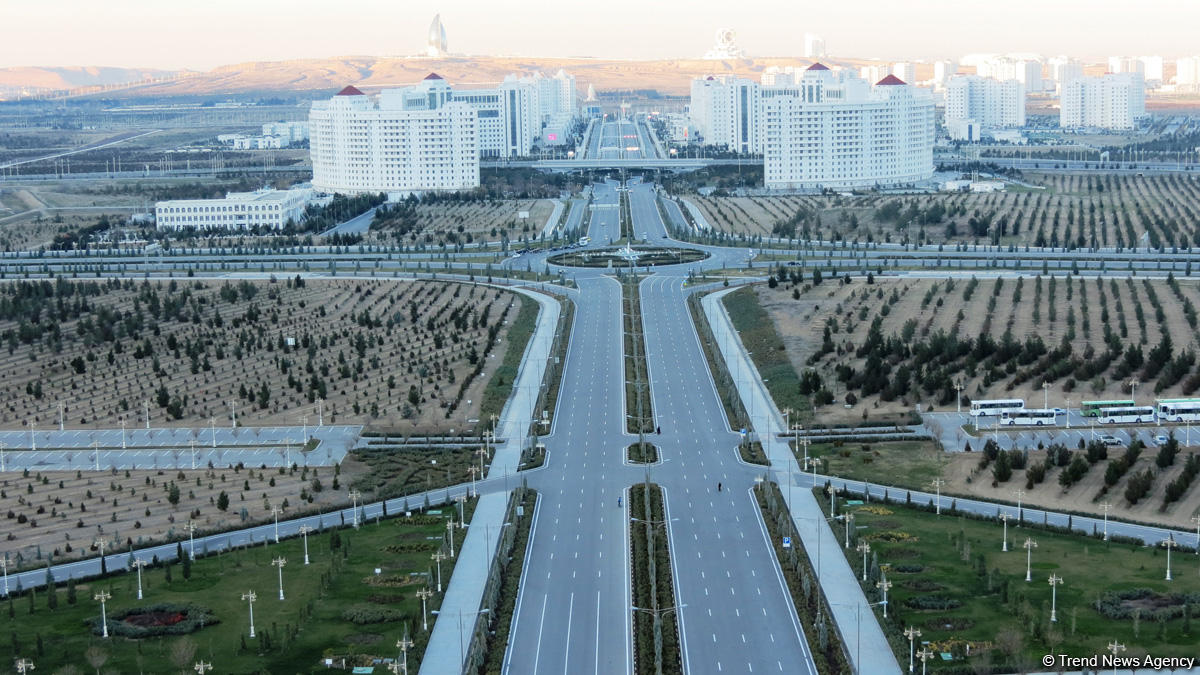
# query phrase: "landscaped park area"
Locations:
[[415, 355], [351, 605], [1067, 210], [951, 580]]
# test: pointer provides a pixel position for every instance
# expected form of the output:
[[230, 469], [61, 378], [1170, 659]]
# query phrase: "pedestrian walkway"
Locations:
[[864, 639], [451, 636]]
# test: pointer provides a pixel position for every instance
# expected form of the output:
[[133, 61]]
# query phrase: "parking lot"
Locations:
[[949, 427], [108, 449]]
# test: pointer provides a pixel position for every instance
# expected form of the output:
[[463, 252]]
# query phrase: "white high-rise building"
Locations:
[[1027, 70], [775, 76], [989, 102], [725, 111], [1126, 64], [814, 46], [904, 71], [1152, 70], [1113, 101], [942, 72], [1063, 70], [841, 133], [362, 145], [1187, 73], [875, 72]]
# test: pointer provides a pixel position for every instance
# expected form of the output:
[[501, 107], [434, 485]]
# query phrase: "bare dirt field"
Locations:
[[1071, 211], [917, 316], [405, 354]]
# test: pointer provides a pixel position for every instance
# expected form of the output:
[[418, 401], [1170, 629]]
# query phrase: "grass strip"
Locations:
[[767, 351], [500, 386], [642, 453], [656, 634], [637, 389], [510, 579]]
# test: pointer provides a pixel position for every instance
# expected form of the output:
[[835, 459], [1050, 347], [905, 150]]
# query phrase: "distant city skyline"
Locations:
[[200, 36]]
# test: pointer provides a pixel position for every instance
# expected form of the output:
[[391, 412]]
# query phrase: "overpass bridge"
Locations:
[[679, 164]]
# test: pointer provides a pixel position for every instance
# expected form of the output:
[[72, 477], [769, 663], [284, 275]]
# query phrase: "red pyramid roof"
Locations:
[[433, 76], [818, 66], [889, 80], [350, 90]]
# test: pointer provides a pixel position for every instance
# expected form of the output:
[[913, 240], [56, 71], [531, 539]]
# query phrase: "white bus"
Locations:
[[1128, 415], [996, 407], [1178, 409], [1030, 417]]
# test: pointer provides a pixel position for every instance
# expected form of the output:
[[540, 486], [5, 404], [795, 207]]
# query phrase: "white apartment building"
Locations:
[[362, 145], [1187, 73], [875, 72], [814, 46], [775, 76], [1027, 71], [1063, 70], [942, 72], [1113, 101], [841, 132], [269, 209], [725, 109], [905, 71], [1152, 70], [556, 95], [988, 102], [287, 132]]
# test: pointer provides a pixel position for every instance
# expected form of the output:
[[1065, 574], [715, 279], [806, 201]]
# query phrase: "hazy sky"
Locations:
[[201, 34]]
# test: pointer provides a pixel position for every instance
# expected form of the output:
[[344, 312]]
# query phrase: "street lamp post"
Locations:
[[191, 528], [139, 564], [192, 451], [437, 558], [1068, 412], [23, 666], [912, 633], [462, 510], [1195, 519], [848, 518], [424, 594], [4, 566], [474, 472], [1106, 506], [1055, 581], [1004, 518], [275, 511], [1169, 544], [958, 387], [924, 655], [864, 548], [1019, 494], [937, 485], [103, 597], [1116, 648], [202, 667], [304, 530], [1133, 383], [213, 422], [883, 585], [354, 495], [1029, 545], [280, 562], [404, 643], [251, 596], [450, 530]]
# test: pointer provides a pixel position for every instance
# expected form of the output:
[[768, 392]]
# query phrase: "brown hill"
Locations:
[[670, 77], [71, 77]]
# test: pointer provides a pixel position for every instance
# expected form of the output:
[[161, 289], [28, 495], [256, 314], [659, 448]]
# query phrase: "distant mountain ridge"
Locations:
[[73, 77], [371, 73]]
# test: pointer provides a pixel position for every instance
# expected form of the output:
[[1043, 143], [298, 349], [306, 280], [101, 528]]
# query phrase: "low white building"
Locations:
[[838, 132], [1113, 101], [288, 132], [269, 209]]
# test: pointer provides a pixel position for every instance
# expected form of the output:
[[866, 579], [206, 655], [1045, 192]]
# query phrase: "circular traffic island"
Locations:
[[628, 256]]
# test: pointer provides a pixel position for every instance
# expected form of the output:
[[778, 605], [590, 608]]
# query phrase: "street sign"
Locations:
[[787, 542]]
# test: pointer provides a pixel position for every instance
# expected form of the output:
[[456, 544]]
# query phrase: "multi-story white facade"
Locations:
[[1187, 73], [362, 145], [841, 132], [267, 209], [942, 72], [725, 111], [875, 72], [1064, 69], [287, 132], [904, 71], [989, 102], [814, 46], [1026, 70], [556, 95], [1114, 101], [1152, 70]]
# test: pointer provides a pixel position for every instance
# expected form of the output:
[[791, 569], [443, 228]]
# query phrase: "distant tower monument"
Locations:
[[591, 93], [436, 44], [726, 47]]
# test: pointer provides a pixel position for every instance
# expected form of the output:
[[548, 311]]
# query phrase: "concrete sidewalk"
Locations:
[[552, 221], [451, 636], [868, 648]]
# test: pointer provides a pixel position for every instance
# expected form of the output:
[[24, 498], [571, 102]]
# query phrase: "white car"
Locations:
[[1160, 439]]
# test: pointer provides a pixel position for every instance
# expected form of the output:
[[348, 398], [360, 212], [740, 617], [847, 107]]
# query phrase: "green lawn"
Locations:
[[1005, 619], [766, 349], [910, 464], [292, 636], [500, 384]]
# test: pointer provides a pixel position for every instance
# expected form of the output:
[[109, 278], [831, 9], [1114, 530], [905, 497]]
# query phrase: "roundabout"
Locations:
[[639, 256]]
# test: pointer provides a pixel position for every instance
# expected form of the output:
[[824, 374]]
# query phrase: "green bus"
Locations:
[[1092, 408]]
